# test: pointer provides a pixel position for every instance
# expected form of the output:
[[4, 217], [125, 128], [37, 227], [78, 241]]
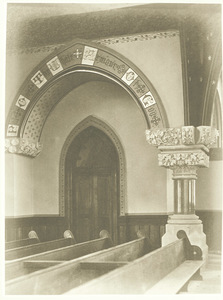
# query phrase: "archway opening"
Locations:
[[92, 185]]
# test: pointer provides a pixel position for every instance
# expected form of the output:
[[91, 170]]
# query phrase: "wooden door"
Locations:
[[95, 203], [93, 170]]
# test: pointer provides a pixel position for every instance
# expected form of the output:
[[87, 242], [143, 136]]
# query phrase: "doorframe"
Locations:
[[64, 194]]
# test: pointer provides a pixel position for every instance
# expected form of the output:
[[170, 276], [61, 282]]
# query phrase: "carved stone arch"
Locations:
[[51, 80], [110, 132]]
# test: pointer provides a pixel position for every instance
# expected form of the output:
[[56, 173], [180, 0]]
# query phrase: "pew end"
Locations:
[[35, 248], [69, 235], [33, 235], [32, 239]]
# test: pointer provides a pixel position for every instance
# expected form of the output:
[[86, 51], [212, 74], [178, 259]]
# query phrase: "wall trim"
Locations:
[[148, 36]]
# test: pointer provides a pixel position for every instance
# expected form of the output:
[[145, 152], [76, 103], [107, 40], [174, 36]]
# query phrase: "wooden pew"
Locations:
[[32, 263], [61, 278], [32, 239], [40, 247], [163, 271]]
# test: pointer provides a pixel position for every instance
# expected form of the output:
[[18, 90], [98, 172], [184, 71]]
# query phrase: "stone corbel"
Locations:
[[22, 146]]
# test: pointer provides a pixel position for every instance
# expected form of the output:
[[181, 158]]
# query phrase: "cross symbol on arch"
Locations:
[[77, 53], [155, 120]]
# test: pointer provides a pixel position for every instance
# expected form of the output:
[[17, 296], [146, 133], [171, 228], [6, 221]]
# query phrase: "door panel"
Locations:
[[95, 206], [82, 207]]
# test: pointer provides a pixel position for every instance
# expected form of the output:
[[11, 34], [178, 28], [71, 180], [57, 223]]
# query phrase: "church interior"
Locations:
[[113, 131]]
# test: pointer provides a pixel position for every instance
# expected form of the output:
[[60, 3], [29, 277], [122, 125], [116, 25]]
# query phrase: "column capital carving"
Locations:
[[183, 147], [185, 172], [185, 135], [22, 146], [183, 159]]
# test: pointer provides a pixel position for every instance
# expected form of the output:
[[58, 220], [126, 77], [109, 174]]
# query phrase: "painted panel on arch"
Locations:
[[72, 56], [110, 63]]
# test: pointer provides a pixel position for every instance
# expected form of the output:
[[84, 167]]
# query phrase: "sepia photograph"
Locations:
[[111, 148]]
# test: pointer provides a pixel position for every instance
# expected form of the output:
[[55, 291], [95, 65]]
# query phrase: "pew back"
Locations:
[[73, 273], [137, 277], [37, 248], [32, 239], [20, 267]]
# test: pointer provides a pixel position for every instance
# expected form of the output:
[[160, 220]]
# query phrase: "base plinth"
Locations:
[[193, 228]]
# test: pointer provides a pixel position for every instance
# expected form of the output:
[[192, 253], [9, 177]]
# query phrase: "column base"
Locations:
[[193, 228]]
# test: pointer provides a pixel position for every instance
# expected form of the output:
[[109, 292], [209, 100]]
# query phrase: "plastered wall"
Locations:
[[209, 187], [160, 60], [146, 182], [18, 185]]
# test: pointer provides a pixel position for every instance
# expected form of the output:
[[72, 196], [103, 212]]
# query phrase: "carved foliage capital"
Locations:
[[171, 160], [185, 135], [171, 136], [22, 146], [207, 136]]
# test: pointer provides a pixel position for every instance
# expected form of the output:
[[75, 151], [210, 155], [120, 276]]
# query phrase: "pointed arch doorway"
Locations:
[[92, 185]]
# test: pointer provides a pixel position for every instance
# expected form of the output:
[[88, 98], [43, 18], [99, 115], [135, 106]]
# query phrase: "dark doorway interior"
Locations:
[[92, 172]]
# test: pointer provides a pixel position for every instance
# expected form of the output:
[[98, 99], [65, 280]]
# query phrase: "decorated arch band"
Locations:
[[80, 55]]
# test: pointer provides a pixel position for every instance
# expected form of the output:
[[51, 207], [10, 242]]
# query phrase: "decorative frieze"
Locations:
[[22, 146]]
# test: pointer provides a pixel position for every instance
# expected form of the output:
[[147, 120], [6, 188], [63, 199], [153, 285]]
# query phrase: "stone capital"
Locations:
[[22, 146], [181, 158], [183, 148], [185, 135]]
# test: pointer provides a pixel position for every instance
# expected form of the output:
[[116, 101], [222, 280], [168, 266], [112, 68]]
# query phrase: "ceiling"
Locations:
[[32, 25]]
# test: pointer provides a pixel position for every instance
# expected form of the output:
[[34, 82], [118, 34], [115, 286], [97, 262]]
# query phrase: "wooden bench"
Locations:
[[61, 278], [32, 263], [40, 247], [163, 271], [32, 239]]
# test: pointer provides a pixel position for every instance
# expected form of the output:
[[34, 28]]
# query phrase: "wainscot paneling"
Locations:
[[152, 225], [47, 227], [53, 227], [212, 226]]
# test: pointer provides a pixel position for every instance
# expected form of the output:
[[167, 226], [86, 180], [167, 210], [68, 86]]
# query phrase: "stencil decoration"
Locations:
[[39, 79], [12, 130], [129, 76], [22, 102], [54, 65], [147, 100], [89, 55]]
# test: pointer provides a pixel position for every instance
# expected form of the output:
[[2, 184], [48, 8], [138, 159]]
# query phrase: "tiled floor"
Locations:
[[211, 283]]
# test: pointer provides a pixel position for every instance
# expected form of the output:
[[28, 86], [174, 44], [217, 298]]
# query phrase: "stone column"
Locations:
[[184, 150]]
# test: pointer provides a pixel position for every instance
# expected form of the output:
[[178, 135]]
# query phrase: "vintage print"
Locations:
[[113, 149]]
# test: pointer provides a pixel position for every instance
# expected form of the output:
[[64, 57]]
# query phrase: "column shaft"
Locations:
[[184, 196]]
